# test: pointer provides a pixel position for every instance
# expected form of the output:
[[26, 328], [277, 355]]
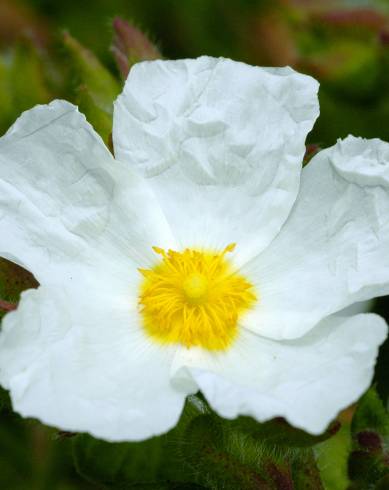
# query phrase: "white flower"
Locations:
[[195, 260]]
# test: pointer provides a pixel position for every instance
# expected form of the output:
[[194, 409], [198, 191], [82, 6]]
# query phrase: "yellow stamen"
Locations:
[[194, 298]]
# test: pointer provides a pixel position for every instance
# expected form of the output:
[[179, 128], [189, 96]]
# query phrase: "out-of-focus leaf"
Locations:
[[30, 458], [339, 117], [27, 78], [90, 72], [156, 461], [15, 453], [381, 307], [17, 19], [349, 68], [5, 402], [118, 463], [94, 87], [100, 119], [23, 82], [5, 98]]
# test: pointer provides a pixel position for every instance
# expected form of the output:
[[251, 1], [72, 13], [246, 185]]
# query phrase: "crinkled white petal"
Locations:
[[64, 201], [306, 380], [334, 248], [221, 143], [80, 362]]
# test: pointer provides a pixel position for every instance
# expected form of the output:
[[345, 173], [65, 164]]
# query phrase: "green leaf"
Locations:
[[23, 82], [27, 76], [100, 119], [369, 461], [5, 402], [229, 454], [6, 112], [113, 463], [94, 87], [160, 486], [371, 415], [122, 465], [278, 432], [332, 456], [15, 453], [221, 460], [305, 473]]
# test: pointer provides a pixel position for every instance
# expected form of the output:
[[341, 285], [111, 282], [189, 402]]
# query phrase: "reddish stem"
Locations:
[[6, 306]]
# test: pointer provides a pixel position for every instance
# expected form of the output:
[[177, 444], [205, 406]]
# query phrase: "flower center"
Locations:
[[194, 298], [195, 288]]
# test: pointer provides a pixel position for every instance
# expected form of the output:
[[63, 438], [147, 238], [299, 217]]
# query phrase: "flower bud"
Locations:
[[131, 45]]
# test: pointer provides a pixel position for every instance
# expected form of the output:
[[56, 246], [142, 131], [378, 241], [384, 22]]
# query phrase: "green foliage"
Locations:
[[113, 463], [223, 459], [223, 455], [157, 461], [23, 63], [369, 459], [306, 474], [204, 451], [93, 87], [5, 99], [371, 415], [332, 459], [32, 459], [5, 402], [279, 433], [28, 65], [15, 463]]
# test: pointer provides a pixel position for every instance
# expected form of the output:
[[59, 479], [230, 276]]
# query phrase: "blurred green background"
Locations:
[[342, 43], [77, 51]]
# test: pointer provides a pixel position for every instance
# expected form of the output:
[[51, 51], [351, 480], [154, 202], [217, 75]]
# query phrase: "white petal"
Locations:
[[221, 143], [63, 198], [334, 248], [356, 308], [81, 363], [307, 380]]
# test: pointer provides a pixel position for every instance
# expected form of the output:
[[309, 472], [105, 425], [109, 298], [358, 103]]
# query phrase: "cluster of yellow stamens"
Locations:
[[194, 298]]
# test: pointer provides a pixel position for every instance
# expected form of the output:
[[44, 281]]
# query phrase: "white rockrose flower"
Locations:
[[201, 257]]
